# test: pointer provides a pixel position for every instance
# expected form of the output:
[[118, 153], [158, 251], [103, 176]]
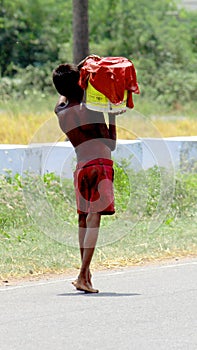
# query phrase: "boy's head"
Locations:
[[65, 79]]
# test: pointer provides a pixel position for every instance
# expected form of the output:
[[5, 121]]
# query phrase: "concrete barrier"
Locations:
[[178, 153]]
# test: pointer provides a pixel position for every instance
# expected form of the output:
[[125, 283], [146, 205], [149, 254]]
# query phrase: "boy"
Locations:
[[93, 142]]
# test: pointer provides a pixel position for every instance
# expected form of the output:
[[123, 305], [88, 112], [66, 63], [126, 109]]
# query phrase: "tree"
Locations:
[[34, 34], [80, 30]]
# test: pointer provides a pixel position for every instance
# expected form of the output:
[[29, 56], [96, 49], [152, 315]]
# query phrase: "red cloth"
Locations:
[[93, 181], [111, 76]]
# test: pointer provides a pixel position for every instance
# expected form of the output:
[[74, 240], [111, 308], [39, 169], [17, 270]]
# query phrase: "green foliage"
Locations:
[[32, 34], [185, 195], [121, 187], [156, 35], [138, 194], [27, 82], [13, 212], [26, 250]]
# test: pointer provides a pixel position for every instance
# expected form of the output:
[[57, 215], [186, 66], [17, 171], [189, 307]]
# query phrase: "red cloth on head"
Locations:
[[93, 183], [111, 76]]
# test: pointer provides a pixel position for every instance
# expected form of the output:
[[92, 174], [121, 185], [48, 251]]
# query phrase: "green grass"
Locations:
[[38, 222], [150, 108], [33, 253]]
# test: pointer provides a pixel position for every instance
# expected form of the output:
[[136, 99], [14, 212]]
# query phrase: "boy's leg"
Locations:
[[89, 243], [82, 233]]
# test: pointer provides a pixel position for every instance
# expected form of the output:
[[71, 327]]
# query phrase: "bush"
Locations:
[[136, 194], [28, 81]]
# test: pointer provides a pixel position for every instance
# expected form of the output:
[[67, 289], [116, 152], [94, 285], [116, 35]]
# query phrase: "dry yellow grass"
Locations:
[[185, 127], [23, 128], [43, 127], [138, 127]]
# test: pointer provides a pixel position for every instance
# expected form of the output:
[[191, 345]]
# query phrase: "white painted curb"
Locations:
[[178, 153]]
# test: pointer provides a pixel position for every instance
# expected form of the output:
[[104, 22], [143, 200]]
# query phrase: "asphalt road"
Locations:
[[139, 308]]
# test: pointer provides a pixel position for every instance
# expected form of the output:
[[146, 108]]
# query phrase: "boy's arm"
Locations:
[[112, 126], [112, 130], [80, 64], [108, 133]]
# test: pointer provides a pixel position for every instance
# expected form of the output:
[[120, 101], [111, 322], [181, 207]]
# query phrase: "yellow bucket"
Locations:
[[96, 101]]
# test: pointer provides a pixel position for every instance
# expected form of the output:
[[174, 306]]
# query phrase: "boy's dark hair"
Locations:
[[65, 79]]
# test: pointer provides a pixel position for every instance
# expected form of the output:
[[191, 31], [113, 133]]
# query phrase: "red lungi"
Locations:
[[93, 181]]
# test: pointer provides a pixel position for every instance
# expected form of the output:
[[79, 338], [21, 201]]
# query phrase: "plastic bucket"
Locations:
[[96, 101]]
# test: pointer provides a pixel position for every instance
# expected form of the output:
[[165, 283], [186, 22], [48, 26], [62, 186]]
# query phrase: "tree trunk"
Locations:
[[80, 30]]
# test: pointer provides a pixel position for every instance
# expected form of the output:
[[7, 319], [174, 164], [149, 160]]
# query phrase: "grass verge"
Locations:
[[34, 254], [34, 242]]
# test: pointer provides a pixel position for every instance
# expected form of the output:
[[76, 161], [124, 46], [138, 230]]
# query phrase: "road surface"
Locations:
[[139, 308]]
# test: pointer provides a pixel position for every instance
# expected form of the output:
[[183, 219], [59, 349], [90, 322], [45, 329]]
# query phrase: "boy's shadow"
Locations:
[[101, 294]]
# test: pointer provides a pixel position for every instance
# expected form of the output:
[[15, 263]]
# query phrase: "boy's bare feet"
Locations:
[[89, 277], [85, 287]]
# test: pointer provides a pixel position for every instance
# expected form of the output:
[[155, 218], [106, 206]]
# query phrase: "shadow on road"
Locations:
[[102, 294]]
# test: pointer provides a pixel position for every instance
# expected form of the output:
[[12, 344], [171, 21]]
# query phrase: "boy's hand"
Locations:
[[80, 64], [117, 113]]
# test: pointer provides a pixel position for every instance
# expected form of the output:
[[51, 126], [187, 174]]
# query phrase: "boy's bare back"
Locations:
[[86, 130]]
